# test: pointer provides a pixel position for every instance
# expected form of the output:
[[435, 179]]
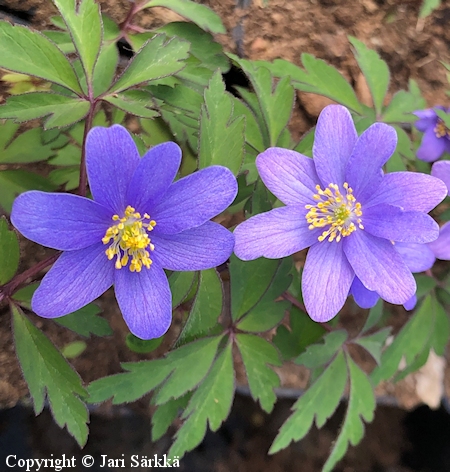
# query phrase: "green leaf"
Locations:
[[136, 102], [375, 71], [27, 147], [320, 354], [253, 133], [269, 312], [249, 282], [188, 366], [403, 104], [31, 53], [210, 403], [361, 407], [14, 182], [445, 117], [156, 59], [424, 284], [166, 414], [105, 68], [206, 308], [427, 7], [84, 23], [23, 295], [181, 284], [319, 402], [256, 353], [142, 346], [68, 177], [221, 137], [46, 371], [374, 343], [63, 110], [73, 349], [374, 316], [86, 321], [9, 252], [199, 14], [155, 131]]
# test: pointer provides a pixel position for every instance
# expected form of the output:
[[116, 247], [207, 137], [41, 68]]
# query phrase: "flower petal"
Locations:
[[76, 279], [372, 150], [432, 147], [441, 247], [278, 233], [153, 176], [393, 223], [145, 300], [206, 246], [289, 175], [441, 170], [379, 267], [411, 303], [326, 281], [409, 190], [417, 257], [111, 159], [195, 199], [334, 141], [59, 220], [427, 118], [363, 297]]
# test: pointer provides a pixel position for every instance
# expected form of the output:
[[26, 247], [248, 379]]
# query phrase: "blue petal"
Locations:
[[111, 159], [417, 257], [441, 247], [145, 300], [441, 170], [76, 279], [364, 297], [432, 147]]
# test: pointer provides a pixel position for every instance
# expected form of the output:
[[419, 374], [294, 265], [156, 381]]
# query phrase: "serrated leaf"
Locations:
[[84, 23], [221, 137], [375, 71], [46, 371], [256, 353], [166, 414], [253, 133], [9, 252], [374, 343], [136, 102], [68, 177], [157, 58], [318, 403], [403, 104], [206, 308], [31, 53], [86, 321], [361, 407], [210, 404], [320, 354], [199, 14], [63, 110]]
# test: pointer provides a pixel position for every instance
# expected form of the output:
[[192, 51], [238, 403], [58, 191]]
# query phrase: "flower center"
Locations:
[[339, 212], [440, 130], [130, 240]]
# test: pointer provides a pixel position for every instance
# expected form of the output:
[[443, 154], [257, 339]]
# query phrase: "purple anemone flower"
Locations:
[[436, 138], [139, 223], [342, 206]]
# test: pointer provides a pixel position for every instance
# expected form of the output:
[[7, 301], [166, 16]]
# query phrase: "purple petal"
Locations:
[[379, 267], [206, 246], [76, 279], [60, 220], [145, 300], [153, 176], [409, 190], [334, 141], [427, 118], [393, 223], [275, 234], [441, 170], [411, 303], [194, 200], [417, 257], [432, 147], [288, 175], [441, 247], [326, 280], [364, 297], [372, 150], [111, 159]]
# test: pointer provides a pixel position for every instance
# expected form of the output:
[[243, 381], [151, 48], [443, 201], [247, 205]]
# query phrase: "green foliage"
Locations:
[[73, 349], [445, 117], [86, 321], [46, 371], [9, 252], [318, 403], [142, 346], [136, 102], [374, 343], [181, 284], [256, 353], [375, 71], [31, 53], [221, 137], [165, 414], [374, 316], [402, 105], [428, 6]]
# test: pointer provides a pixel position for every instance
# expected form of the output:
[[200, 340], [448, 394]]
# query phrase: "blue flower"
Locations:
[[436, 138], [138, 223]]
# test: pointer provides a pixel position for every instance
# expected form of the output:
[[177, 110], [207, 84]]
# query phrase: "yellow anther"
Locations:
[[338, 211], [130, 240], [441, 130]]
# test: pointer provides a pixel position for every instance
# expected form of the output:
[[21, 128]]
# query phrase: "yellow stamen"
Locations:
[[338, 211], [130, 240], [441, 130]]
